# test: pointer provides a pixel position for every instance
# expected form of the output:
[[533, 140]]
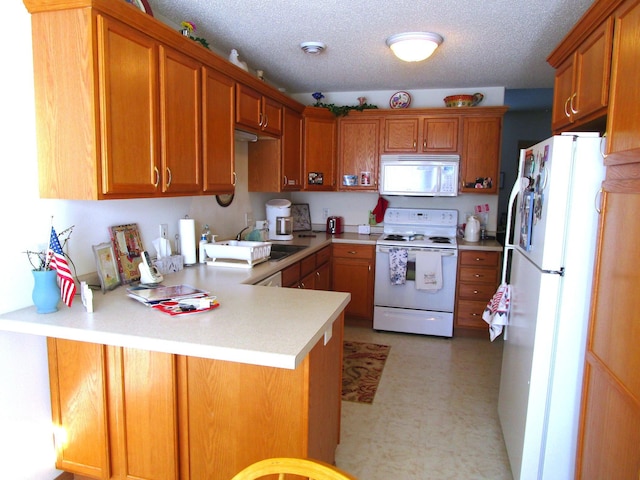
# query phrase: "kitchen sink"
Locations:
[[279, 251]]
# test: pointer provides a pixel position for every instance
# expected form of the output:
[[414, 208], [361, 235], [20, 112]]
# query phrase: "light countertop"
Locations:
[[274, 327], [492, 245]]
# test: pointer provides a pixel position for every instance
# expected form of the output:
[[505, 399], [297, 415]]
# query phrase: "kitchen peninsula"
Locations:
[[140, 393]]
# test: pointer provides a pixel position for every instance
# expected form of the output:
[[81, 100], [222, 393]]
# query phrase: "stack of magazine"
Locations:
[[175, 299]]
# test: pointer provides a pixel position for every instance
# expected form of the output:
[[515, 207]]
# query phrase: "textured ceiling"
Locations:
[[486, 43]]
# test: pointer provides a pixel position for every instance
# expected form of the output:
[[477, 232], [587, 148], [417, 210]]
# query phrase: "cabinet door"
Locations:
[[359, 152], [77, 375], [143, 414], [320, 143], [440, 135], [480, 153], [218, 145], [609, 439], [562, 95], [623, 120], [180, 122], [593, 68], [323, 277], [354, 276], [128, 109], [248, 107], [272, 113], [292, 150], [401, 135]]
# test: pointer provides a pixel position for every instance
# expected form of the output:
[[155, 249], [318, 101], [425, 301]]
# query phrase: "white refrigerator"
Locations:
[[551, 247]]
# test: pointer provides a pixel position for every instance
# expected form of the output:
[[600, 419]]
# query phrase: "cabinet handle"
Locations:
[[266, 122], [317, 274], [352, 252], [415, 144], [286, 181], [566, 108], [478, 259], [475, 315], [170, 177], [155, 169], [424, 144], [603, 145], [475, 292], [477, 275], [235, 177], [302, 285], [574, 111], [260, 119], [598, 201]]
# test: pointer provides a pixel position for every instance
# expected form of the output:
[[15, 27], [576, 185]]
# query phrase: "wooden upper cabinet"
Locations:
[[218, 145], [130, 140], [180, 115], [623, 121], [421, 135], [482, 137], [257, 112], [359, 152], [581, 88], [319, 147]]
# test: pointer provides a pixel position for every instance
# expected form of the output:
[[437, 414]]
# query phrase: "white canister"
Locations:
[[472, 229]]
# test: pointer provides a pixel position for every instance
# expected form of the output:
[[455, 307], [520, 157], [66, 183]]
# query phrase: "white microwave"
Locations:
[[419, 175]]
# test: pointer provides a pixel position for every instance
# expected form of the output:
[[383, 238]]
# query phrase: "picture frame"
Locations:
[[301, 217], [106, 266], [127, 247]]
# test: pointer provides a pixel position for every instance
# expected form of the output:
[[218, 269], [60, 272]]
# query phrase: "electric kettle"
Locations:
[[472, 229]]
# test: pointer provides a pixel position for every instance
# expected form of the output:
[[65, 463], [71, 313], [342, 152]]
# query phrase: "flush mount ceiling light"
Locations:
[[414, 46], [313, 48]]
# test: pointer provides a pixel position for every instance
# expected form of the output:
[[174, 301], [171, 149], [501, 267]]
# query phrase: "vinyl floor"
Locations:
[[434, 415]]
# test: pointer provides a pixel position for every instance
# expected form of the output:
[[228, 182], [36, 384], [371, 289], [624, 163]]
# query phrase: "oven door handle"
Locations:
[[444, 253]]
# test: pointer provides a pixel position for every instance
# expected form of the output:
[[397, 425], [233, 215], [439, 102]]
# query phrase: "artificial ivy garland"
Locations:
[[340, 110]]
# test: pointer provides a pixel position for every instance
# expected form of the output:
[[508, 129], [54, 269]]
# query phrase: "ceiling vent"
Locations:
[[313, 48]]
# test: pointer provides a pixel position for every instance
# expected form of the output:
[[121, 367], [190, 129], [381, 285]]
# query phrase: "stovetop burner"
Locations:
[[397, 238], [440, 239]]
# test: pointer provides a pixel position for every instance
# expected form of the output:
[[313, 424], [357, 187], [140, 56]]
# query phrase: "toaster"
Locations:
[[334, 225]]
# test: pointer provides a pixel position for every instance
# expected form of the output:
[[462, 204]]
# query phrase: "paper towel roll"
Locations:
[[188, 240]]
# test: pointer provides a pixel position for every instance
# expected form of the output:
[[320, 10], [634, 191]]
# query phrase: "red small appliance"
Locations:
[[335, 225]]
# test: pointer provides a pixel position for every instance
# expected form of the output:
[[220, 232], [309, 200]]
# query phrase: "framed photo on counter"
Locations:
[[106, 266]]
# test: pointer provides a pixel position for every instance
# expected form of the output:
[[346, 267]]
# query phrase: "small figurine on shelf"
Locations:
[[233, 58]]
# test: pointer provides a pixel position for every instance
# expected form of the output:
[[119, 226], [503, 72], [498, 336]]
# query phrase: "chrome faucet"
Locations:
[[239, 236]]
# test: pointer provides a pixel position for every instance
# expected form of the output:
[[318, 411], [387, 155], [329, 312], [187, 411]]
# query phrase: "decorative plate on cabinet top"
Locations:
[[142, 5], [400, 100]]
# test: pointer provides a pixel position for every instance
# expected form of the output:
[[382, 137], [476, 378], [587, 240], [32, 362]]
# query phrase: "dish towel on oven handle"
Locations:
[[398, 258], [496, 313], [428, 271]]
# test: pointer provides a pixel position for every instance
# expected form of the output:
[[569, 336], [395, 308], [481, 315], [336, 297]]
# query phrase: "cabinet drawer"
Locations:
[[479, 257], [478, 291], [478, 275], [469, 314], [351, 250], [291, 275], [307, 265], [323, 256]]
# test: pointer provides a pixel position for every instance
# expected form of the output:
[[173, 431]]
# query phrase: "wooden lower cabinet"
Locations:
[[478, 277], [609, 435], [353, 271], [123, 413], [312, 272]]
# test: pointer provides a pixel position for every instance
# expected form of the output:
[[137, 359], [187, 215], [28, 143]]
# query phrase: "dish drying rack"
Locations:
[[237, 253]]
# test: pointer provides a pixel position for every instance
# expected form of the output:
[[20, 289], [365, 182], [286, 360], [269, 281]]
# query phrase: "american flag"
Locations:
[[59, 262]]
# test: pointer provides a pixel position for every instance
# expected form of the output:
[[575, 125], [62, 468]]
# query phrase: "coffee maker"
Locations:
[[279, 219]]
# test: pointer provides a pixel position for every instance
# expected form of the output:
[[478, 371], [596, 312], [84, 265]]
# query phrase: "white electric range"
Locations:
[[407, 306]]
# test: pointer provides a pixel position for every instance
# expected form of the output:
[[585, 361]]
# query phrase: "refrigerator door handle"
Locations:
[[518, 187]]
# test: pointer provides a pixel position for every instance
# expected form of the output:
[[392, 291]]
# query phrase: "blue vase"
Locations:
[[46, 293]]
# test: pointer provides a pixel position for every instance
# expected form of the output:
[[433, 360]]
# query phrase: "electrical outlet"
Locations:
[[248, 219], [325, 213], [164, 230]]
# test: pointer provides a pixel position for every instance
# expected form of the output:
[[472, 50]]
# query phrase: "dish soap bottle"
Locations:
[[204, 239]]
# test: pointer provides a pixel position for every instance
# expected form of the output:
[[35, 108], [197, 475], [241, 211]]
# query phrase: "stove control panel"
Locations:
[[421, 217]]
